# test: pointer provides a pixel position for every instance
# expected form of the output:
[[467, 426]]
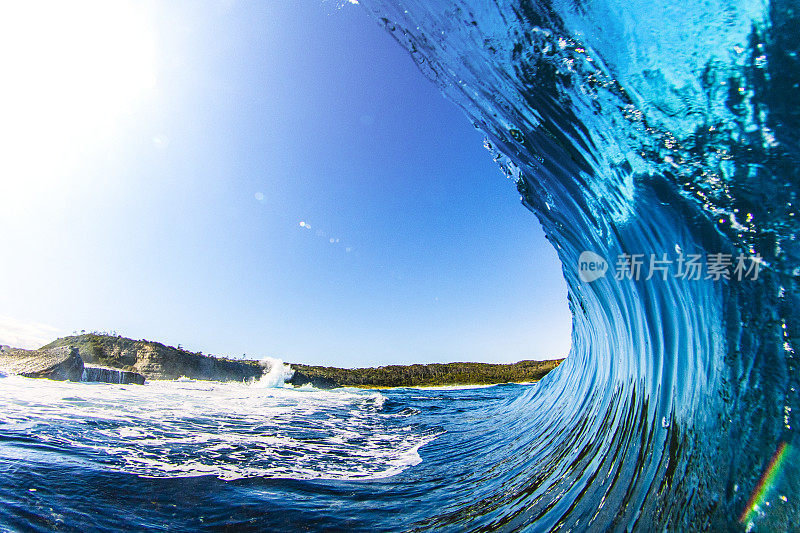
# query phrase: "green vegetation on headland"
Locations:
[[430, 375], [154, 360]]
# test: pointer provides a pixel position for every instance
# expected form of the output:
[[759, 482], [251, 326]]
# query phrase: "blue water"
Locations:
[[200, 455], [629, 128]]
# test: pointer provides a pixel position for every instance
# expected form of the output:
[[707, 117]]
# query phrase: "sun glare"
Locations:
[[70, 70]]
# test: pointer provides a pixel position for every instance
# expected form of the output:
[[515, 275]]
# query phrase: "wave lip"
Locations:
[[652, 130]]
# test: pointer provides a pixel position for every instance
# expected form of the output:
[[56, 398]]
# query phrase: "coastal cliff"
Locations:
[[155, 360], [61, 363], [102, 374]]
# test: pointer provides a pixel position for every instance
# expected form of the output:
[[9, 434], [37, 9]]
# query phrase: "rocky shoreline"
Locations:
[[155, 360], [100, 374], [62, 363]]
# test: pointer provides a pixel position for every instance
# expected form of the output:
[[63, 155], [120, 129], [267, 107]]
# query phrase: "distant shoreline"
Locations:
[[455, 386], [156, 361]]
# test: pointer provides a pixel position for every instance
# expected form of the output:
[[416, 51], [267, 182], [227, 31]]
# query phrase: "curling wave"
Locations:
[[661, 129]]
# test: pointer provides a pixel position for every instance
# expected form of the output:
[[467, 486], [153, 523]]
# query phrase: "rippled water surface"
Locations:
[[191, 454]]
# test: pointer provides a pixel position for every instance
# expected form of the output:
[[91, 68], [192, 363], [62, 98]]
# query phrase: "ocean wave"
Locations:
[[646, 138], [653, 133]]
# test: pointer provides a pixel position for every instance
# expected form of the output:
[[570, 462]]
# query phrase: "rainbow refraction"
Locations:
[[766, 482]]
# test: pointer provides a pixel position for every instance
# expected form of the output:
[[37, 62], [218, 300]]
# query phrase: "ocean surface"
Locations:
[[188, 455], [658, 143]]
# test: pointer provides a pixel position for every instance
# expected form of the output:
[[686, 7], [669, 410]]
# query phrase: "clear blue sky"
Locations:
[[161, 189]]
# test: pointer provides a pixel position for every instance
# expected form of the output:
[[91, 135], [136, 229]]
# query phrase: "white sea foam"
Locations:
[[277, 375], [230, 430]]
